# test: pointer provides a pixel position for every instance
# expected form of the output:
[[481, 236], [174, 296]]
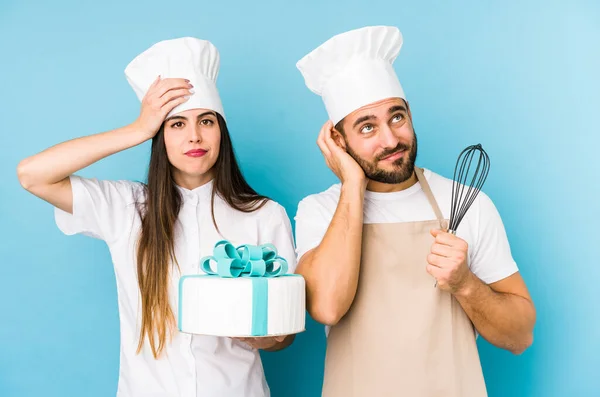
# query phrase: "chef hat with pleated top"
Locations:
[[186, 58], [354, 69]]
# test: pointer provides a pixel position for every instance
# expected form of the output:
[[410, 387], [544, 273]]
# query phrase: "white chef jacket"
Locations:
[[191, 366]]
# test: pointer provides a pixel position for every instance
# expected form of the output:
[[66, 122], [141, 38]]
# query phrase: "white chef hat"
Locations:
[[354, 69], [187, 58]]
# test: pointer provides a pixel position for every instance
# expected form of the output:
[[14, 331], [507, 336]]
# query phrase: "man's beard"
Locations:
[[403, 167]]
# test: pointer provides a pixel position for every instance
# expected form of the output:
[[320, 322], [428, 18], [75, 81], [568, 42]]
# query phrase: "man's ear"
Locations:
[[338, 138]]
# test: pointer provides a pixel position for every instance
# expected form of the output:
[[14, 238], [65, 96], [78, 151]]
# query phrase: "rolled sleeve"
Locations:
[[492, 259], [278, 231], [312, 221], [101, 209]]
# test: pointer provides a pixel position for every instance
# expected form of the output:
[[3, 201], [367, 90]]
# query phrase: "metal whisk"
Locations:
[[467, 183]]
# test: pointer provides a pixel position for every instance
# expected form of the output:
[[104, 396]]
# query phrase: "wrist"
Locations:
[[468, 286], [137, 132], [354, 186]]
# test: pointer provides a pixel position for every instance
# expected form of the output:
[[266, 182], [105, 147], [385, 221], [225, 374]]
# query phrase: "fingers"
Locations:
[[331, 144], [449, 239], [280, 338], [154, 83], [435, 232], [169, 84], [162, 91], [174, 94], [162, 87], [433, 270], [321, 140], [437, 274], [328, 146], [440, 275], [262, 343], [442, 250], [174, 103], [435, 260], [450, 259]]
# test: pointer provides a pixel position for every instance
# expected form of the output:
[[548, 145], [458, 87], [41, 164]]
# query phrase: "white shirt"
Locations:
[[489, 256], [191, 366]]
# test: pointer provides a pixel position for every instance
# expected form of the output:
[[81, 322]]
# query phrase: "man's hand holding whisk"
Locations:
[[447, 262]]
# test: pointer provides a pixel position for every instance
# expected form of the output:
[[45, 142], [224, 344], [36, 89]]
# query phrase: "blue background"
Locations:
[[522, 79]]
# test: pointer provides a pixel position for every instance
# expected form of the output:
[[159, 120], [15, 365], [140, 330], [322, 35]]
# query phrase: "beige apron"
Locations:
[[402, 336]]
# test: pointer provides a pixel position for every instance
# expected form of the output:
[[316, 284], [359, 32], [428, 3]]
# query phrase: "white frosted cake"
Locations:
[[249, 294]]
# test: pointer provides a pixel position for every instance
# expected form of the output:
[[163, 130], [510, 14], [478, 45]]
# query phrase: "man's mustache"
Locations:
[[388, 152]]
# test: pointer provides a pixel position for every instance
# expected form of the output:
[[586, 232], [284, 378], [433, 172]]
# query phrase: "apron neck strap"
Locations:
[[427, 190]]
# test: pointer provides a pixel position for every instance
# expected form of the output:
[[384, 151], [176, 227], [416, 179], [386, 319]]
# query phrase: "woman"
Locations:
[[195, 196]]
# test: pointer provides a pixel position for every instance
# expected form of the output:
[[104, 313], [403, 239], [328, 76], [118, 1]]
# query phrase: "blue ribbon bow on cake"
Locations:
[[244, 261]]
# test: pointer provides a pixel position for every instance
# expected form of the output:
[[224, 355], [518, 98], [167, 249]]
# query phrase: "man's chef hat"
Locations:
[[354, 69], [186, 58]]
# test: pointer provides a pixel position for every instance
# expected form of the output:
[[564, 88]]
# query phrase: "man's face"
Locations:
[[380, 137]]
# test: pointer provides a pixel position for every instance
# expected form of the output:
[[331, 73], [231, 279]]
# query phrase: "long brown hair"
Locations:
[[159, 212]]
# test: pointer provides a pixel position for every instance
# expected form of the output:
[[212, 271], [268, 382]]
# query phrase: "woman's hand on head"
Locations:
[[162, 97]]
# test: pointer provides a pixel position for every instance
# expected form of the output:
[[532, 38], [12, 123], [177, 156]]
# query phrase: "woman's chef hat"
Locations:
[[354, 69], [187, 58]]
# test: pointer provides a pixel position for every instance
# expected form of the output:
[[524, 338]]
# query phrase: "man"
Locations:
[[401, 297]]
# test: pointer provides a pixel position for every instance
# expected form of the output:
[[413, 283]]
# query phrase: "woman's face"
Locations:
[[192, 140]]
